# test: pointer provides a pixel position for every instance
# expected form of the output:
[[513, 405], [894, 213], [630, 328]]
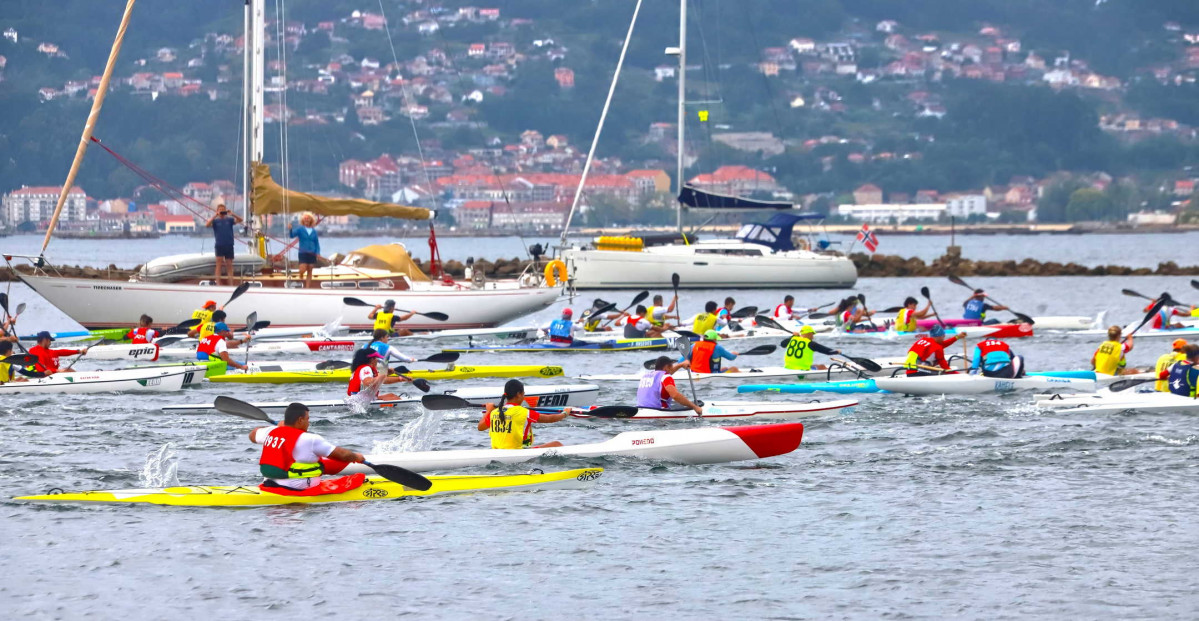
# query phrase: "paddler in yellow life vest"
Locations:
[[204, 314], [511, 424], [906, 320], [7, 372], [706, 320], [1162, 368], [1109, 358], [384, 317], [800, 350], [657, 314]]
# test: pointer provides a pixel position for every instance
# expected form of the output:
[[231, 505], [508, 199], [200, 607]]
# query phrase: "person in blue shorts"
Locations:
[[309, 246], [222, 223]]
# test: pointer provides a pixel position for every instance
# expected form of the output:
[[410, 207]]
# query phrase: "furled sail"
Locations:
[[270, 197], [699, 199]]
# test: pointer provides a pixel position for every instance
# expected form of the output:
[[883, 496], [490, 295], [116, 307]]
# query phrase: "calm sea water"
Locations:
[[956, 507]]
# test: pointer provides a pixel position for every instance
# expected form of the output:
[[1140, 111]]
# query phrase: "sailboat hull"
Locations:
[[697, 269], [107, 303]]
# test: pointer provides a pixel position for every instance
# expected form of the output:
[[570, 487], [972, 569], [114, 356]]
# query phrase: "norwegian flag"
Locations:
[[868, 239]]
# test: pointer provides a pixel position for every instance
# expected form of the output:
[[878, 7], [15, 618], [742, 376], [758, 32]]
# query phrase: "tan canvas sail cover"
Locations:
[[390, 257], [269, 198]]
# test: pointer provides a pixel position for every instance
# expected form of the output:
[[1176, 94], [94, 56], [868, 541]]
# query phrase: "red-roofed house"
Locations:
[[735, 180], [565, 77], [868, 194], [1184, 187]]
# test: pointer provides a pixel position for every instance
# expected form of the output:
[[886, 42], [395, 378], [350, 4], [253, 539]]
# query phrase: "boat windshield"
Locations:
[[757, 234]]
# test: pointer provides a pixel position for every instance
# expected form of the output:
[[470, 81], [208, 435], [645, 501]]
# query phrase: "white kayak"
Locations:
[[128, 380], [124, 351], [1113, 402], [509, 333], [554, 395], [774, 374], [1189, 334], [701, 445], [962, 384], [1069, 322], [724, 410]]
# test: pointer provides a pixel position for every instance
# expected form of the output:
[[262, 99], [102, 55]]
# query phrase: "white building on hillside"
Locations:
[[966, 205], [36, 204], [884, 213]]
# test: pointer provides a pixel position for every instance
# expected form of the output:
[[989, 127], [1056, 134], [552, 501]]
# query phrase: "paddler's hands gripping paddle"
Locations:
[[637, 299], [421, 383], [395, 474], [435, 316], [1021, 316], [865, 363], [20, 309]]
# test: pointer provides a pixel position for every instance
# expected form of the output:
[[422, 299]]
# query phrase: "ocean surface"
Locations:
[[905, 507]]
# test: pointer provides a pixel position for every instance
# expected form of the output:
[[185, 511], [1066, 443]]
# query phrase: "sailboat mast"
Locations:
[[252, 97], [682, 107], [246, 81]]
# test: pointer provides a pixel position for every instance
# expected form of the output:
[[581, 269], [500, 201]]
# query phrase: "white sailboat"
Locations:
[[761, 255], [174, 286]]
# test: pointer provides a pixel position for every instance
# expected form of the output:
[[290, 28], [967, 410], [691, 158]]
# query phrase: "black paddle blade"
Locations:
[[435, 316], [958, 281], [258, 325], [1024, 318], [188, 324], [1119, 385], [329, 365], [760, 350], [21, 360], [167, 341], [689, 335], [446, 402], [242, 288], [674, 280], [422, 384], [649, 364], [743, 312], [1133, 294], [1195, 283], [402, 370], [1153, 310], [356, 302], [924, 292], [237, 407], [819, 315], [613, 411], [403, 476], [444, 357], [767, 322], [867, 364], [639, 298], [892, 309], [4, 301]]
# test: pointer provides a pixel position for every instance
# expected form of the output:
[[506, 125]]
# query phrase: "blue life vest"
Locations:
[[381, 347], [975, 309], [560, 331], [1184, 378]]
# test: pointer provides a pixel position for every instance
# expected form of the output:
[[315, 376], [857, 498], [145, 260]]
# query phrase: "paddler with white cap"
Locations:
[[800, 350]]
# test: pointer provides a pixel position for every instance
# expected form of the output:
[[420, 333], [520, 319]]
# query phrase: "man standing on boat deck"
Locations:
[[48, 358], [657, 388], [385, 319], [294, 458], [222, 224]]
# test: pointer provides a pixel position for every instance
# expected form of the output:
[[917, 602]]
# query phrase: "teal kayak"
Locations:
[[843, 387]]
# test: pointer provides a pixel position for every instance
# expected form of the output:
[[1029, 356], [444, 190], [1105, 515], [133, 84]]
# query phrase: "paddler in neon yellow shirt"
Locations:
[[706, 320], [384, 317], [511, 423], [658, 312], [800, 350], [906, 320], [1109, 358], [1162, 368], [204, 314]]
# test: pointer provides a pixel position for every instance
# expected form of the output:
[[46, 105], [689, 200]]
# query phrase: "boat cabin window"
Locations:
[[743, 252], [757, 233]]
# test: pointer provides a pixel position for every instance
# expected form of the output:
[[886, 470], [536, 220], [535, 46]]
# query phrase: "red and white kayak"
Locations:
[[550, 396], [701, 445], [724, 410]]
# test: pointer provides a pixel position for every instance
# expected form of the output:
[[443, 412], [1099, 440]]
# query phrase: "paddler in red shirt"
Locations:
[[929, 351], [48, 358], [143, 333], [293, 459]]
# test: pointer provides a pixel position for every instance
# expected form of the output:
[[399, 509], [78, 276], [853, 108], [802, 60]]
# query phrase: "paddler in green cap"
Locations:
[[706, 355], [800, 350]]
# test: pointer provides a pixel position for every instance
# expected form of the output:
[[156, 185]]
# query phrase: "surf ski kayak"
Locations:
[[701, 445], [112, 334], [188, 348], [1115, 402], [1147, 333], [962, 384], [343, 375], [778, 374], [124, 351], [549, 396], [723, 410], [375, 488], [509, 333], [127, 380], [841, 387], [577, 346], [998, 331]]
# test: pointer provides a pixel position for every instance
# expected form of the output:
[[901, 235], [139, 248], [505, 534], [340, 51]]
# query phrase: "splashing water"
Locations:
[[415, 436], [162, 466]]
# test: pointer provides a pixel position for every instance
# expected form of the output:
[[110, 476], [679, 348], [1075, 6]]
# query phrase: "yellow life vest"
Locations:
[[510, 433], [799, 354], [905, 321], [649, 316], [592, 324], [383, 320], [5, 371], [1163, 364], [207, 328], [1109, 358], [206, 325], [703, 322]]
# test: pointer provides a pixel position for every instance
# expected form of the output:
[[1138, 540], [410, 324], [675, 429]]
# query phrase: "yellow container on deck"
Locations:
[[613, 242]]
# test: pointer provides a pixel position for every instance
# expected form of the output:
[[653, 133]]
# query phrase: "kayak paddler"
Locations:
[[706, 354], [384, 317], [1184, 375], [975, 307], [657, 313], [294, 458], [7, 373], [706, 320], [510, 424], [368, 373], [204, 314], [47, 357], [657, 389], [725, 314], [1110, 357], [216, 346], [6, 330], [906, 320], [561, 330], [1166, 361], [849, 312], [638, 326], [994, 358], [143, 333], [801, 349], [785, 311], [1161, 319], [929, 351], [379, 343]]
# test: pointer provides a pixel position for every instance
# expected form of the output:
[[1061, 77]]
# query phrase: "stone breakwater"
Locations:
[[877, 266]]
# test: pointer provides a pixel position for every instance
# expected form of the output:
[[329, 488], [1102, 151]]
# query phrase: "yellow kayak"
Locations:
[[375, 488], [343, 375]]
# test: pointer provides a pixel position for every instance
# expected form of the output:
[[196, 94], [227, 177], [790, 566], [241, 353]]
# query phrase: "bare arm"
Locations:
[[344, 454], [374, 312], [231, 362], [674, 393], [254, 433], [551, 418], [485, 422]]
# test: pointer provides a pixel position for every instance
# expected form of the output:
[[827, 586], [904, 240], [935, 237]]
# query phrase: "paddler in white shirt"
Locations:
[[379, 343], [785, 311], [293, 459]]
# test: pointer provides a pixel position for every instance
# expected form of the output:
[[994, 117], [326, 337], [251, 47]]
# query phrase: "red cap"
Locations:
[[566, 312], [209, 303], [1178, 344]]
